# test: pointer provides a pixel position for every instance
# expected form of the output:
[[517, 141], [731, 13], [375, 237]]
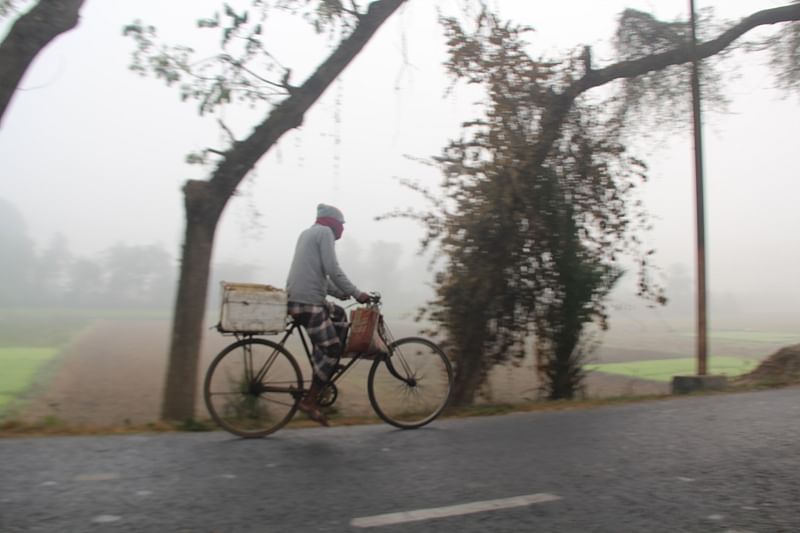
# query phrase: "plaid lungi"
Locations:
[[326, 326]]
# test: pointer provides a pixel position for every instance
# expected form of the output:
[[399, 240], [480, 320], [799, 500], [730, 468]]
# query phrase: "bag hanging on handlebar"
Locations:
[[363, 337]]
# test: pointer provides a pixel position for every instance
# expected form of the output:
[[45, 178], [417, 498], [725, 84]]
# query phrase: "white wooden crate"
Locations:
[[252, 308]]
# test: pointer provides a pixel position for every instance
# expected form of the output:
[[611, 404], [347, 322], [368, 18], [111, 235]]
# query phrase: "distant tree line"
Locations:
[[123, 275], [145, 276]]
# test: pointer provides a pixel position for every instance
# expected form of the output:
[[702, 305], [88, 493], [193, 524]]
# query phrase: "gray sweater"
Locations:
[[315, 271]]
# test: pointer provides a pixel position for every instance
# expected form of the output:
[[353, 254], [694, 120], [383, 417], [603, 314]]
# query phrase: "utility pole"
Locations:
[[702, 323]]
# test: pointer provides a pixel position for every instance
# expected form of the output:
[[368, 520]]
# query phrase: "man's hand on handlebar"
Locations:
[[363, 298], [368, 298]]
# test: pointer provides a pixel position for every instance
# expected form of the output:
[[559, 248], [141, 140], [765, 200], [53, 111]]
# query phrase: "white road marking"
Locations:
[[452, 510], [105, 519], [686, 479]]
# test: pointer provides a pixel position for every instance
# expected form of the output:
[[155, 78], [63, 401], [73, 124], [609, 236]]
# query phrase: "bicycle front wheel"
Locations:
[[410, 387], [252, 387]]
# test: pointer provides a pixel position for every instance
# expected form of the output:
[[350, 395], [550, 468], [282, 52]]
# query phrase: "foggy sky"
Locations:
[[94, 152]]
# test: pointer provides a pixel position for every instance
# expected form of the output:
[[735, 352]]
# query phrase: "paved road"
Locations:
[[727, 463]]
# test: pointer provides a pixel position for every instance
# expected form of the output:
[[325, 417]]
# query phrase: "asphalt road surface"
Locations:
[[723, 463]]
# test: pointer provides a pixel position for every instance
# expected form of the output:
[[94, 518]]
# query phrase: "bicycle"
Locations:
[[253, 386]]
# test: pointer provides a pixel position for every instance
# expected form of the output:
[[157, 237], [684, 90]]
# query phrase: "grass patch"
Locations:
[[195, 425], [18, 368], [664, 369], [53, 426], [488, 409], [31, 336]]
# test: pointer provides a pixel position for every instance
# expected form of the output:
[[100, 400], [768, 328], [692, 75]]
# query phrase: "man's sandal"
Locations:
[[314, 414]]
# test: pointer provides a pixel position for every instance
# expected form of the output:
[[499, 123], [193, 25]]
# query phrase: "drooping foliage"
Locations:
[[784, 48], [658, 98]]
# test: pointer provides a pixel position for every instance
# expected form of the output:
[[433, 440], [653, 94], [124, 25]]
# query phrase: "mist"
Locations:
[[93, 164]]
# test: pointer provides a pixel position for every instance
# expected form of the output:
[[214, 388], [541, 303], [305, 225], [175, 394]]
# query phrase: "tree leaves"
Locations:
[[785, 56], [7, 7], [244, 71], [660, 97]]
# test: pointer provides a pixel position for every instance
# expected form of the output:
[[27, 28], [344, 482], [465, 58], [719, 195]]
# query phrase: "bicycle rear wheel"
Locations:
[[252, 387], [410, 387]]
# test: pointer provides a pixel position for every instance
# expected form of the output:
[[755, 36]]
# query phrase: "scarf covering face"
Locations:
[[336, 226]]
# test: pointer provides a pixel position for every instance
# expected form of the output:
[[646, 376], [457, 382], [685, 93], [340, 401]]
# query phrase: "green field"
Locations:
[[29, 337], [665, 369], [18, 368]]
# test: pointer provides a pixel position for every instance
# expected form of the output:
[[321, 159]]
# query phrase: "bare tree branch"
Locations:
[[227, 130], [289, 113], [555, 114]]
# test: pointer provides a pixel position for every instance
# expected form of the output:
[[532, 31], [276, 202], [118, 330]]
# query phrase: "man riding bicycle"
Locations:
[[314, 274]]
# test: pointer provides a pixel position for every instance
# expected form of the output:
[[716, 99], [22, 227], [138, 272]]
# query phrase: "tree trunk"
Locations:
[[28, 36], [204, 211], [468, 377], [202, 214], [565, 366]]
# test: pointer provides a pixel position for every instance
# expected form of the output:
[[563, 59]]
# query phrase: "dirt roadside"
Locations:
[[113, 375]]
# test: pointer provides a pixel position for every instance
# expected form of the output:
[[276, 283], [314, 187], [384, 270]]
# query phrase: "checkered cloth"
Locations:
[[327, 327]]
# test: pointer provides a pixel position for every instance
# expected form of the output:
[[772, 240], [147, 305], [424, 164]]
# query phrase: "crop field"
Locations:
[[107, 368], [664, 369], [31, 339], [18, 369], [28, 340]]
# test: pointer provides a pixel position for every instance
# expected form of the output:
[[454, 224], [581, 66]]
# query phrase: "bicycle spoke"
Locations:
[[252, 387], [265, 368], [270, 400], [406, 368], [414, 390]]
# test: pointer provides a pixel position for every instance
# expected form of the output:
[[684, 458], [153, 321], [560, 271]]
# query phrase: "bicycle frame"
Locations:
[[340, 369]]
